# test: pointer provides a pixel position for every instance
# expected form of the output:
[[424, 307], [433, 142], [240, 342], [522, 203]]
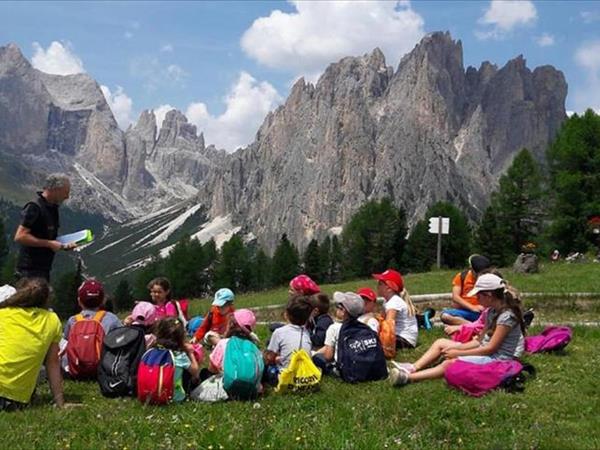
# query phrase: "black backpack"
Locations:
[[122, 350], [359, 353]]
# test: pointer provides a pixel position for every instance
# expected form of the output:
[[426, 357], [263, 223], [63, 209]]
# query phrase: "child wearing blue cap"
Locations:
[[215, 323]]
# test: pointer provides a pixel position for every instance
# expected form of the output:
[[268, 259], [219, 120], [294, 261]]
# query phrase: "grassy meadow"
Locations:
[[558, 410]]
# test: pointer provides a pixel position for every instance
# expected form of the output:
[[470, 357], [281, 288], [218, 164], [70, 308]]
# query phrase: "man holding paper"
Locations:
[[38, 230]]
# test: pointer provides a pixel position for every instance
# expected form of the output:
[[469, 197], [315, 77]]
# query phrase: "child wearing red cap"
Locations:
[[398, 307], [370, 316]]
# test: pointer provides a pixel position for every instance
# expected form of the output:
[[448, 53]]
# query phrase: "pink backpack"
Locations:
[[552, 339], [479, 379]]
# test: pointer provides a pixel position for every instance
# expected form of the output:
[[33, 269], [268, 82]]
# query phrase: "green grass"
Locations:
[[559, 277], [559, 409]]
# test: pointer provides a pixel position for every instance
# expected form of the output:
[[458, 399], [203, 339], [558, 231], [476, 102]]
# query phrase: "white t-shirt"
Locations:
[[406, 326], [369, 320], [332, 336]]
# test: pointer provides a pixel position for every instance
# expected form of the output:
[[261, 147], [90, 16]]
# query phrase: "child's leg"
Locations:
[[430, 374], [434, 352]]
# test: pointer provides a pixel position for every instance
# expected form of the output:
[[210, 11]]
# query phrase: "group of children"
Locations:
[[30, 334]]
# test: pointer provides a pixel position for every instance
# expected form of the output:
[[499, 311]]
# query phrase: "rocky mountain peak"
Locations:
[[176, 129]]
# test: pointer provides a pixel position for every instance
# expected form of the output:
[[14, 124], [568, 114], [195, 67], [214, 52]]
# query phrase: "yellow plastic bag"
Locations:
[[300, 375]]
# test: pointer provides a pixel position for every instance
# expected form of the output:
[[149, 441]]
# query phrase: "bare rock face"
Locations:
[[427, 132], [139, 143]]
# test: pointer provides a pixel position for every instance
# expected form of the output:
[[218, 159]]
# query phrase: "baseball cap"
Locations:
[[90, 293], [479, 263], [245, 318], [486, 282], [352, 303], [223, 296], [305, 285], [144, 313], [367, 294], [392, 278]]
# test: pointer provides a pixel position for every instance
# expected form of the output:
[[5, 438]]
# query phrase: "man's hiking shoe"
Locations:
[[406, 367], [398, 377], [528, 317]]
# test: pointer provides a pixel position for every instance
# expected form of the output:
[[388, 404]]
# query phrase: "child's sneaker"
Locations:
[[406, 367], [398, 377]]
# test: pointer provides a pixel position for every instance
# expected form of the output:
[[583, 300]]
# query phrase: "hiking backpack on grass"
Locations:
[[121, 353], [156, 377], [479, 379], [242, 369], [84, 346], [551, 339], [360, 356]]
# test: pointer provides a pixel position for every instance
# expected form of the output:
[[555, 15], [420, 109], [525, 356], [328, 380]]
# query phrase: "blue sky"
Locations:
[[226, 64]]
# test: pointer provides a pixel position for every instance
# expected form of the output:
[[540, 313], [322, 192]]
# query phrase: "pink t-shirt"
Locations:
[[166, 310], [218, 354]]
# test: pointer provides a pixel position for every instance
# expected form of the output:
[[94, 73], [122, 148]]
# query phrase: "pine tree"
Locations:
[[261, 270], [146, 274], [574, 160], [312, 261], [233, 268], [285, 262], [491, 237], [3, 245], [7, 271], [185, 268], [123, 297], [335, 262], [211, 256], [325, 257]]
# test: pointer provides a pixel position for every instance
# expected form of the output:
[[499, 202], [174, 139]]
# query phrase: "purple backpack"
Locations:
[[479, 379], [551, 339]]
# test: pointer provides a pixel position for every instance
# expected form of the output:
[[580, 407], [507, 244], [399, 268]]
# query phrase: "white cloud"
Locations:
[[587, 95], [589, 16], [545, 40], [318, 33], [246, 106], [155, 74], [120, 104], [167, 48], [160, 113], [128, 35], [505, 15], [57, 59]]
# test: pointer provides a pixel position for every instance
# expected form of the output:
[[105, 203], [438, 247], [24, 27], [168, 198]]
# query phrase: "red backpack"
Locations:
[[85, 346], [156, 377]]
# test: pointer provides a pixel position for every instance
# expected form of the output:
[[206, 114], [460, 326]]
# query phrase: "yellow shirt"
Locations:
[[25, 337]]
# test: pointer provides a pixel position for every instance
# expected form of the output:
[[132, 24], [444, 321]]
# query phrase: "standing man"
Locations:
[[39, 228]]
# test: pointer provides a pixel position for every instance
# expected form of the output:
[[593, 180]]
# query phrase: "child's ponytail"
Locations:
[[412, 311]]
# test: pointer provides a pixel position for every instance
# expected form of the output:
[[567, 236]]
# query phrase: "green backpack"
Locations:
[[242, 369]]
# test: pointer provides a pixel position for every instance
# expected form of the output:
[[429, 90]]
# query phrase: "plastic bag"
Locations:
[[301, 374], [387, 337], [210, 390]]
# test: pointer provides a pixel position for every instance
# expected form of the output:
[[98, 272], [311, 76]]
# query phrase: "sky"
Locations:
[[227, 64]]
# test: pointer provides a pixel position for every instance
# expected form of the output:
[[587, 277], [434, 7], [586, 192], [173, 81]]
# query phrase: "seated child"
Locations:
[[170, 335], [144, 316], [215, 323], [500, 339], [289, 338], [319, 321], [347, 306], [370, 316], [29, 337], [465, 308], [160, 292], [90, 297], [398, 308], [303, 285]]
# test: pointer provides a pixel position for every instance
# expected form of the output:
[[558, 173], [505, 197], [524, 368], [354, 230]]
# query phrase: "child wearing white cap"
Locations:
[[499, 339]]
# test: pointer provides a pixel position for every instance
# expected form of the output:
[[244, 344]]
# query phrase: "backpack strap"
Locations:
[[79, 317], [463, 276], [99, 315], [180, 314]]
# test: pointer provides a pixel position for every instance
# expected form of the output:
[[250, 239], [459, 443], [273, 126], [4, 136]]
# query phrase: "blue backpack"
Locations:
[[242, 369], [359, 353]]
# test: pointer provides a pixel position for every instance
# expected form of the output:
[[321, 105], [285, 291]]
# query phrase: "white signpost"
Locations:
[[439, 226]]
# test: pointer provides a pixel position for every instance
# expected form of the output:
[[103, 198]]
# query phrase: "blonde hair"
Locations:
[[411, 306]]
